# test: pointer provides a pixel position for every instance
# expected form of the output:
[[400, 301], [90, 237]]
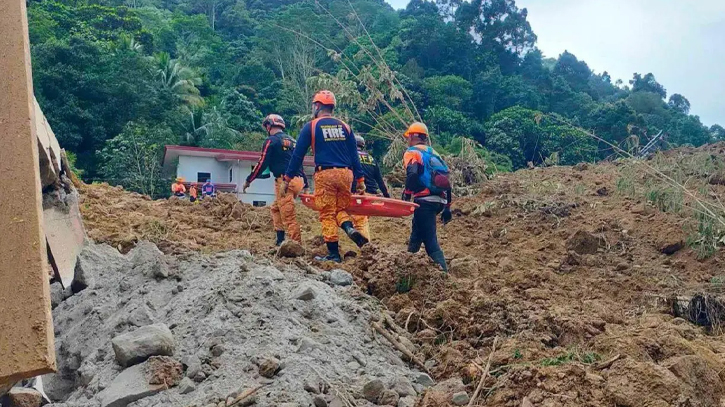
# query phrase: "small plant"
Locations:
[[590, 358], [518, 354], [404, 284], [717, 283], [707, 239], [625, 186], [587, 358], [559, 360]]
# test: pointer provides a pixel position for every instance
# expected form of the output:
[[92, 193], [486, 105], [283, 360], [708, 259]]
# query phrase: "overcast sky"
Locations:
[[681, 42]]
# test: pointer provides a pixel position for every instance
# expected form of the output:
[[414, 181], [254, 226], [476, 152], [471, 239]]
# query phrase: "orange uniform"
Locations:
[[178, 188]]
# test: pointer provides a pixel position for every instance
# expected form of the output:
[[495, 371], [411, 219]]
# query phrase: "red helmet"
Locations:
[[325, 97], [274, 120]]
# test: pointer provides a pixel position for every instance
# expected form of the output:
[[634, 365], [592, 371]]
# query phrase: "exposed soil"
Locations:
[[570, 274]]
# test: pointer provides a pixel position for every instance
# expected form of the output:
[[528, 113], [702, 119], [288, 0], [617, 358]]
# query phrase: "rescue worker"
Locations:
[[429, 189], [178, 188], [374, 184], [276, 153], [337, 164], [208, 189], [193, 193]]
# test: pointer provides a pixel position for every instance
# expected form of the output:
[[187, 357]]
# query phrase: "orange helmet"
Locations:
[[274, 120], [325, 97], [416, 128]]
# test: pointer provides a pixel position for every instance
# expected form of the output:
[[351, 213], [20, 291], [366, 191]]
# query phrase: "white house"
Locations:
[[227, 169]]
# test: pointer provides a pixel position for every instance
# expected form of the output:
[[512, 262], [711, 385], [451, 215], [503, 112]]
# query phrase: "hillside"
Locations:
[[573, 273]]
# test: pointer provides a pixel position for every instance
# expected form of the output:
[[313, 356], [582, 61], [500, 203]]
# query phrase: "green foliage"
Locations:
[[133, 159], [207, 71], [404, 284]]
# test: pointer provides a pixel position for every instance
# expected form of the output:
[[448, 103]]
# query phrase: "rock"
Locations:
[[307, 344], [136, 346], [671, 248], [24, 397], [319, 401], [583, 242], [336, 402], [372, 390], [57, 295], [304, 293], [389, 398], [95, 260], [581, 167], [424, 380], [403, 387], [290, 248], [141, 381], [311, 387], [148, 260], [186, 386], [460, 398], [269, 367], [217, 350], [406, 402], [340, 277]]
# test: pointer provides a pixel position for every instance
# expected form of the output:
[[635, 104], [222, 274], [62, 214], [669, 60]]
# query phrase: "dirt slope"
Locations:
[[569, 271]]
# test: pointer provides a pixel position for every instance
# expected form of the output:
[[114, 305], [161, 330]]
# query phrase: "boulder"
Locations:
[[424, 380], [406, 402], [340, 277], [24, 397], [186, 386], [291, 249], [139, 381], [460, 399], [403, 387], [319, 401], [372, 390], [148, 260], [136, 346]]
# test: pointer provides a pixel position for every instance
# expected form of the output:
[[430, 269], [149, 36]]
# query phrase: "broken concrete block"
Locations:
[[141, 381], [24, 397], [136, 346]]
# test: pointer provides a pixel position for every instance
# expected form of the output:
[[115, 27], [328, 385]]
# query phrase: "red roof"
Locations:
[[173, 152]]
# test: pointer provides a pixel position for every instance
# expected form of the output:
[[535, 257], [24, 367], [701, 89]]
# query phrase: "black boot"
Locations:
[[333, 250], [280, 237], [354, 234], [439, 258]]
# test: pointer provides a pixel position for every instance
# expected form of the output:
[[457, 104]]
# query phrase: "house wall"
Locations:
[[189, 167]]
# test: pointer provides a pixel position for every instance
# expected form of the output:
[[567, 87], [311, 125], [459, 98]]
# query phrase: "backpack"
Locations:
[[435, 175]]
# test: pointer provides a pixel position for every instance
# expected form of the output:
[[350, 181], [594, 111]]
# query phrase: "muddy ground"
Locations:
[[568, 270]]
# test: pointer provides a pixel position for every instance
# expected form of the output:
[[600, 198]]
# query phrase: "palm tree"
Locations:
[[182, 81]]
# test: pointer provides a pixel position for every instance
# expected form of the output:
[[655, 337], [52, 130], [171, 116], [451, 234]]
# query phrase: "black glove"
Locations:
[[446, 216], [406, 197]]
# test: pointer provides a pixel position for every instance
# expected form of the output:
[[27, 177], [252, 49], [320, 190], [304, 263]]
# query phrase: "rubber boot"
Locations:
[[280, 237], [354, 234], [333, 250], [439, 258]]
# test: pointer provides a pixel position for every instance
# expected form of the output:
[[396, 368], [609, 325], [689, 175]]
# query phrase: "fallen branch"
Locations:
[[608, 363], [485, 374], [398, 330], [399, 346], [246, 394]]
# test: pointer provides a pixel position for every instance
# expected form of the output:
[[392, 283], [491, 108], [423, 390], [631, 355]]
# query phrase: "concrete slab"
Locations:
[[26, 342]]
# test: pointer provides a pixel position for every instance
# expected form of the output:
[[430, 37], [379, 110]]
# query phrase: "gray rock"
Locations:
[[269, 367], [424, 380], [340, 277], [307, 344], [372, 390], [319, 401], [141, 316], [406, 402], [389, 398], [57, 295], [148, 260], [460, 398], [129, 386], [403, 387], [359, 358], [94, 261], [304, 293], [137, 346], [24, 397], [186, 386]]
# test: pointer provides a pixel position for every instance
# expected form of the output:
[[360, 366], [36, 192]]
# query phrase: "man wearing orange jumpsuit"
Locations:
[[337, 164], [374, 184], [276, 154], [178, 188]]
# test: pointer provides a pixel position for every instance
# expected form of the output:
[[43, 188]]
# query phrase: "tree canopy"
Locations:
[[110, 74]]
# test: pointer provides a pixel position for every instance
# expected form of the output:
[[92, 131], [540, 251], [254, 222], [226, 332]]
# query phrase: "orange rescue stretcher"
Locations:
[[370, 205]]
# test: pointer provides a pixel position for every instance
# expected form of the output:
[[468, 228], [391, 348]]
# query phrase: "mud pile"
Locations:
[[571, 271], [235, 323]]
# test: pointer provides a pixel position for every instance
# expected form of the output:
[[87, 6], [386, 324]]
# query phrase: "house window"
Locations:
[[203, 176], [259, 203], [231, 173]]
